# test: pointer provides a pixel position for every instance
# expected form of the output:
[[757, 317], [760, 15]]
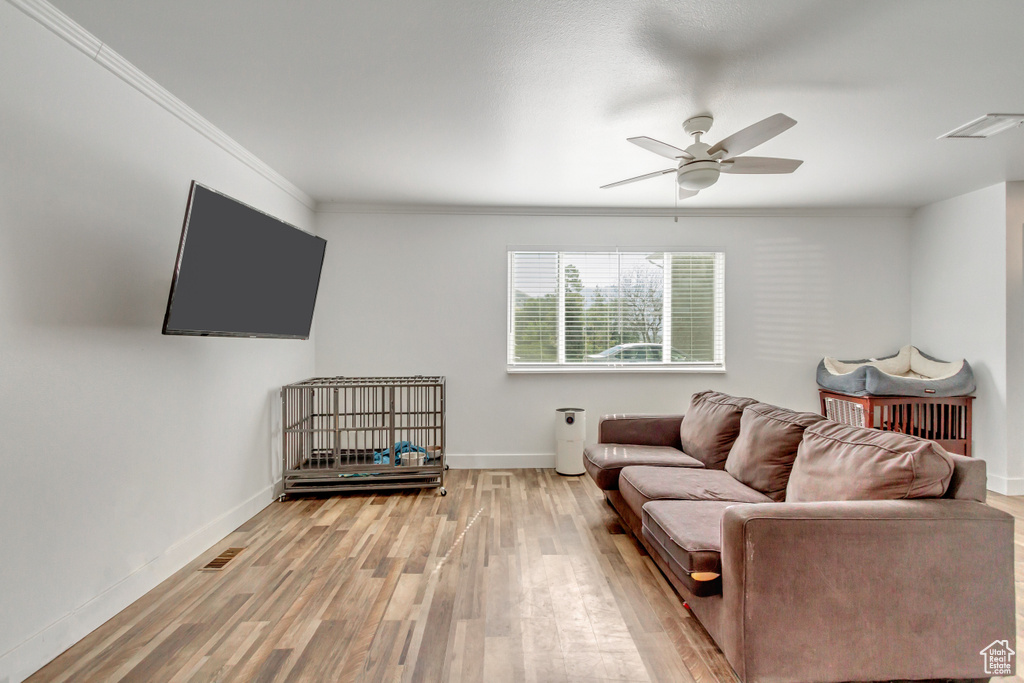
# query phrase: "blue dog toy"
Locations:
[[384, 457]]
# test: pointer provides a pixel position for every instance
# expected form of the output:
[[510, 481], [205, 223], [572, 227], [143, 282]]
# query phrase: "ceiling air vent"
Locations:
[[985, 127], [217, 563]]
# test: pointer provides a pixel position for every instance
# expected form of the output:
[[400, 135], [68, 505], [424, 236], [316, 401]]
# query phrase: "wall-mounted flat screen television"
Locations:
[[241, 272]]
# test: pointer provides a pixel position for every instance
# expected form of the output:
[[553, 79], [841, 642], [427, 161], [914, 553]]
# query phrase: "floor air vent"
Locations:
[[217, 563]]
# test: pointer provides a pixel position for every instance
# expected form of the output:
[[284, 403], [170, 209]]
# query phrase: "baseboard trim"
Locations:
[[37, 650], [1008, 486], [501, 461]]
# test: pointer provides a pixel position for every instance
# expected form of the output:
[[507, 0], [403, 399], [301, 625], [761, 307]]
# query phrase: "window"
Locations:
[[616, 310]]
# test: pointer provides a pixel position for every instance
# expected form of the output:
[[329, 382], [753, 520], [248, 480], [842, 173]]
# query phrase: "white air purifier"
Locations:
[[570, 431]]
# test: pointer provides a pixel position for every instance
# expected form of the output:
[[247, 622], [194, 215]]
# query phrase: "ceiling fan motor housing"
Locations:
[[698, 125], [698, 175]]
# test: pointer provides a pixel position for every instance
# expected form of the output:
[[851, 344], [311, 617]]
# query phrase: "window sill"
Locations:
[[634, 369]]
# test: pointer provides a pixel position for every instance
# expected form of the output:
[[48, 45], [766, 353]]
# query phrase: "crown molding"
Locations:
[[58, 22], [66, 28], [668, 212]]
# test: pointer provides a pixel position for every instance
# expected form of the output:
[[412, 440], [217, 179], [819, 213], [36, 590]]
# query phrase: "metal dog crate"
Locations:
[[945, 420], [363, 433]]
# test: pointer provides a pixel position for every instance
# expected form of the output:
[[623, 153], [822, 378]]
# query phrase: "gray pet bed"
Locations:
[[905, 373]]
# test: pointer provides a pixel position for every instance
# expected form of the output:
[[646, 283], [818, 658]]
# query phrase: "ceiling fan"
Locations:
[[700, 164]]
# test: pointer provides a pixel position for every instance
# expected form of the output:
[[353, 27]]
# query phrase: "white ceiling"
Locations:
[[529, 102]]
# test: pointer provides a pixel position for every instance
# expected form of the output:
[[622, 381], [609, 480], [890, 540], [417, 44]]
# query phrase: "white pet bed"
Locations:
[[906, 373]]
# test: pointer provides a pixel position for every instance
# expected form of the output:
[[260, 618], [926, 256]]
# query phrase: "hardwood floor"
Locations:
[[519, 575]]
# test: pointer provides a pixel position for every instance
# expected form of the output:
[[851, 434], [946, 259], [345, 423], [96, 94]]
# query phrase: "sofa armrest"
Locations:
[[865, 590], [642, 430]]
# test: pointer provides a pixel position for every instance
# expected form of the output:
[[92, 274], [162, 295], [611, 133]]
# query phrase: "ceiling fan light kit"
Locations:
[[700, 164], [698, 175]]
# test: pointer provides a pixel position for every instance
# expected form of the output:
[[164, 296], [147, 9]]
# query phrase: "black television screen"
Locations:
[[241, 273]]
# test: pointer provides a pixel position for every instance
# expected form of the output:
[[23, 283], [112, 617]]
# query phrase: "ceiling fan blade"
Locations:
[[752, 136], [639, 177], [760, 165], [686, 194], [664, 149]]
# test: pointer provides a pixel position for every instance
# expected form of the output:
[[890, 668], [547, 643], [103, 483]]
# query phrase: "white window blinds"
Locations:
[[636, 310]]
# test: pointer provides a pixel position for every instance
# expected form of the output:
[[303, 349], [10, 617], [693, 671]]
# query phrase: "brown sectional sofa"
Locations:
[[813, 551]]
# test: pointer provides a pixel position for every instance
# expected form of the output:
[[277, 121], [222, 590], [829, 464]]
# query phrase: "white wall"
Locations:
[[959, 305], [124, 453], [427, 294], [1015, 336]]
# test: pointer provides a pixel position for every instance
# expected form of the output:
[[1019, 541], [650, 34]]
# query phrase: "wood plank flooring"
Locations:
[[519, 575]]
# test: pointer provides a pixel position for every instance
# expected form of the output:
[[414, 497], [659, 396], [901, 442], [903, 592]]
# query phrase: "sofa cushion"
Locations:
[[687, 535], [969, 481], [650, 430], [840, 462], [763, 453], [640, 485], [604, 461], [711, 425]]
